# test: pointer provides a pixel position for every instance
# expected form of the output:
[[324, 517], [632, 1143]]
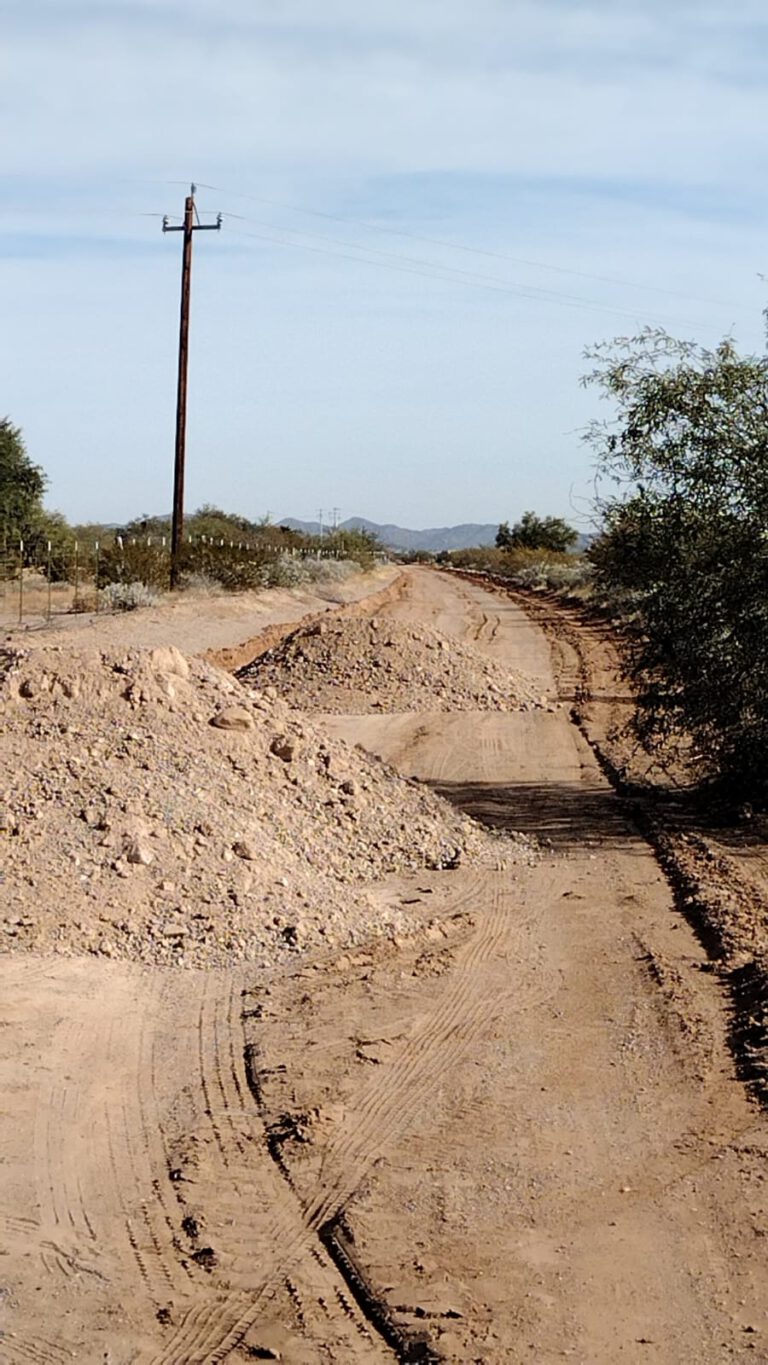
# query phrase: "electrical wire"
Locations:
[[447, 274], [461, 246]]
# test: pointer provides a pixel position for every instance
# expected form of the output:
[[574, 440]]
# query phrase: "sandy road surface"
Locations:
[[515, 1137]]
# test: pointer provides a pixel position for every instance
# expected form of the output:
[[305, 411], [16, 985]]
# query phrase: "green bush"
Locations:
[[684, 548]]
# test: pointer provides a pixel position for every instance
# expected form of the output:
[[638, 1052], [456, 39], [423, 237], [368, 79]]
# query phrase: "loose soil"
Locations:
[[163, 812], [515, 1133], [376, 664]]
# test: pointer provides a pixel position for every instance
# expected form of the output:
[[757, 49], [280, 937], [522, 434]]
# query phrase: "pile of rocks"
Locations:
[[374, 664], [153, 808]]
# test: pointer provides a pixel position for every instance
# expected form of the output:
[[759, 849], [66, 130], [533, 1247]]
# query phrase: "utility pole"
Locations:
[[320, 519], [336, 512], [189, 227]]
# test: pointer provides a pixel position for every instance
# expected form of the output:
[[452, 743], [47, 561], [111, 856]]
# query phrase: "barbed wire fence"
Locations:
[[47, 578]]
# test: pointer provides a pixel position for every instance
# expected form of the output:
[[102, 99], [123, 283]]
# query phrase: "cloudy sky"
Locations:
[[430, 208]]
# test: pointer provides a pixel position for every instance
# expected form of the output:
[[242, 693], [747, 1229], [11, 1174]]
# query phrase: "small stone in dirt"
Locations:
[[232, 718], [138, 853], [283, 747], [242, 849], [169, 659]]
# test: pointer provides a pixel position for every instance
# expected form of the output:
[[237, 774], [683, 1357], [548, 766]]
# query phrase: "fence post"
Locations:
[[21, 581], [96, 572], [48, 571]]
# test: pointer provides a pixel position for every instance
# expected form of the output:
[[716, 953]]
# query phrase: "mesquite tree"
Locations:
[[685, 542]]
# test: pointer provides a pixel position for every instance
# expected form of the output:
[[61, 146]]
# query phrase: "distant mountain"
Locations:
[[400, 538]]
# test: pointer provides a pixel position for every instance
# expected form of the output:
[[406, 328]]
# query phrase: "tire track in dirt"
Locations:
[[33, 1351], [60, 1194], [262, 1238], [110, 1210], [388, 1104]]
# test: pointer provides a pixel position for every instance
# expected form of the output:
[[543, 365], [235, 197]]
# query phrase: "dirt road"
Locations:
[[516, 1136]]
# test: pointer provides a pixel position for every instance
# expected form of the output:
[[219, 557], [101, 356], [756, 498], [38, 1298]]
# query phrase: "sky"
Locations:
[[430, 208]]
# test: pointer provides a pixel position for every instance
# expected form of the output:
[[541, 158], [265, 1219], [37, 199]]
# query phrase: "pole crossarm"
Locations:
[[188, 227]]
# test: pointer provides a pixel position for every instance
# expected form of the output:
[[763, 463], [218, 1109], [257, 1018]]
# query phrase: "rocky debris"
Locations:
[[374, 664], [131, 826]]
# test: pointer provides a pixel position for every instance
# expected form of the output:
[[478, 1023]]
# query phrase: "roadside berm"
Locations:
[[164, 812], [375, 664]]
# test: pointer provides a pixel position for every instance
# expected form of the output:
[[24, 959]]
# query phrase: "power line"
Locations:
[[450, 275], [462, 246]]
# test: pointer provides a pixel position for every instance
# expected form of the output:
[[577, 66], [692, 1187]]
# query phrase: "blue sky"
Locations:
[[430, 209]]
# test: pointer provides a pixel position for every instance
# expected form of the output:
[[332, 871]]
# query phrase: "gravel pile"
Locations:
[[373, 664], [153, 808]]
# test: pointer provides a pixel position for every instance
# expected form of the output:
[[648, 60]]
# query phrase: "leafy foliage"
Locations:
[[684, 548], [532, 532], [22, 485]]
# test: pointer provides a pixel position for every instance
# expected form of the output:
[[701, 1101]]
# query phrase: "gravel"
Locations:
[[155, 809], [373, 664]]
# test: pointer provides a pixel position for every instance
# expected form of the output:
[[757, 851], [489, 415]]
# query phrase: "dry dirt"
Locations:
[[516, 1133], [376, 664], [163, 812], [194, 622]]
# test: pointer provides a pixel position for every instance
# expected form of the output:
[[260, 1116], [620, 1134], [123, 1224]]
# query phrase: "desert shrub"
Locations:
[[197, 582], [125, 560], [526, 568], [685, 545], [127, 596]]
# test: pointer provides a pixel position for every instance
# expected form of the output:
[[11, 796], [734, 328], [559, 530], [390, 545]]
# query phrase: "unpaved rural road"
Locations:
[[516, 1137]]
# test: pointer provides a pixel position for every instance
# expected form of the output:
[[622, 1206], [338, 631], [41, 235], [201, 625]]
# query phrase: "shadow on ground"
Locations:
[[564, 815]]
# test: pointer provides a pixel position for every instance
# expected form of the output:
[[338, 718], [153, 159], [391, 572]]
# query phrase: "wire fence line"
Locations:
[[48, 578]]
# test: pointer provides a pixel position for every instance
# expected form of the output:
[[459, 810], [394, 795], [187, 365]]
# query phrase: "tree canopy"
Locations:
[[685, 540], [536, 533], [22, 485]]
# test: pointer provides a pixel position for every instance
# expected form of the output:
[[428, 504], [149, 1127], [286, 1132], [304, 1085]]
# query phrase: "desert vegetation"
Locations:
[[683, 554], [125, 567]]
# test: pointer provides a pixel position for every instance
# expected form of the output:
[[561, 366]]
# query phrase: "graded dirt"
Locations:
[[516, 1133]]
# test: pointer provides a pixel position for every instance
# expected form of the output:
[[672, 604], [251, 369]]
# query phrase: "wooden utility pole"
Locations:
[[188, 228]]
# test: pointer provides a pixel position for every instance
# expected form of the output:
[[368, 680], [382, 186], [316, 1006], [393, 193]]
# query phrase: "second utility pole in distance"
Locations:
[[189, 226]]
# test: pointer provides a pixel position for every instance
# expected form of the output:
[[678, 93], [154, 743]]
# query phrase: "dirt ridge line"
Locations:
[[233, 657]]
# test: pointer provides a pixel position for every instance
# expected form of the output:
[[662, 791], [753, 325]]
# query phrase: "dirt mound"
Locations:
[[373, 664], [153, 808]]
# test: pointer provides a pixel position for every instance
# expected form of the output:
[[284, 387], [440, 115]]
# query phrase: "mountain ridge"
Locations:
[[434, 538]]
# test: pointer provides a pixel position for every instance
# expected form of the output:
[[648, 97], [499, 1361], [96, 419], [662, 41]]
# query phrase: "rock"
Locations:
[[233, 718], [137, 852], [283, 747], [169, 659], [243, 849]]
